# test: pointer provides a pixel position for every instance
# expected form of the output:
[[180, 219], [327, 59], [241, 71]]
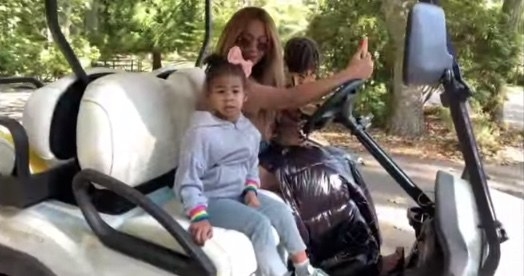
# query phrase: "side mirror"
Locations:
[[426, 55]]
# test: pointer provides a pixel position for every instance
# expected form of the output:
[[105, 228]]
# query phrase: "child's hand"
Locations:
[[201, 231], [251, 199]]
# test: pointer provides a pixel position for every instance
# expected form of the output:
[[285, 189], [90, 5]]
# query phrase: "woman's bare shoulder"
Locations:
[[261, 96]]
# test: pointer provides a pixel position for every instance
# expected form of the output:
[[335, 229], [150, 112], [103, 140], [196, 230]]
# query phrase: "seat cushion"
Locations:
[[7, 156], [456, 224], [130, 125], [49, 117], [230, 251]]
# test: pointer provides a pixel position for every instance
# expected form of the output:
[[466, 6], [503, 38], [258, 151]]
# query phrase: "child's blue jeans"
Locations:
[[232, 213]]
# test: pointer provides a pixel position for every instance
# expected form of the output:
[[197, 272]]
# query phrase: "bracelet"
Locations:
[[198, 213], [250, 189], [251, 186]]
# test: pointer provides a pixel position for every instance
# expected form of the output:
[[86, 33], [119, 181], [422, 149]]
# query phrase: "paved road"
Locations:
[[514, 108], [12, 103]]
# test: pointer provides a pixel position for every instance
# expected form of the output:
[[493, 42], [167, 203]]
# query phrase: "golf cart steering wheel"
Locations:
[[332, 106]]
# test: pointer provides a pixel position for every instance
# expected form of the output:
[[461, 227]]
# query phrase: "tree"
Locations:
[[487, 51], [406, 117], [27, 45], [150, 26], [513, 9], [339, 27]]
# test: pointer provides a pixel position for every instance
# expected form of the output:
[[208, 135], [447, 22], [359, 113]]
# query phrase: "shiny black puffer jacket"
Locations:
[[332, 207]]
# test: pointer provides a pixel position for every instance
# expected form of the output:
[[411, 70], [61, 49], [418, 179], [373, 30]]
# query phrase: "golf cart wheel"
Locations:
[[16, 263]]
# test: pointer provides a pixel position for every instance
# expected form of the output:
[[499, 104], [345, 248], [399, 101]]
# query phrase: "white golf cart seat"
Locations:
[[48, 133], [49, 120], [132, 134], [164, 72], [7, 157]]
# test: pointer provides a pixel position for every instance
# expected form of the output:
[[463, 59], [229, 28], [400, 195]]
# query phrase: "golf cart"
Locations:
[[104, 204]]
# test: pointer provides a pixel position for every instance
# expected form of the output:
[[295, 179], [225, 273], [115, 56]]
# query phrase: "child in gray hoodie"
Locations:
[[217, 178]]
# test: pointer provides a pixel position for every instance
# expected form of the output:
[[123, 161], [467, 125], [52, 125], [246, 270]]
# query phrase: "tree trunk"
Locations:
[[406, 105], [157, 59], [513, 9], [91, 17], [67, 24]]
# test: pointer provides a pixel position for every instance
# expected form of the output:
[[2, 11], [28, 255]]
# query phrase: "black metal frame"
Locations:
[[405, 182], [12, 80], [208, 33], [21, 188], [195, 263], [21, 146], [51, 12], [339, 108], [455, 97]]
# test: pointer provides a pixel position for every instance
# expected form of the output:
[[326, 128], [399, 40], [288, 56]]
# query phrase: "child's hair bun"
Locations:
[[217, 65], [214, 60]]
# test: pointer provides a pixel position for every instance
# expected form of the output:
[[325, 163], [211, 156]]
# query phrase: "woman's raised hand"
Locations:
[[361, 64]]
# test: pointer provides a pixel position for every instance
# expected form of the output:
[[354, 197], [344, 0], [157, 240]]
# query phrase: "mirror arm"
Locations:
[[457, 93]]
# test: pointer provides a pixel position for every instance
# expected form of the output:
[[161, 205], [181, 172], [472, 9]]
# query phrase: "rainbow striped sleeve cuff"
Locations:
[[251, 185], [198, 213]]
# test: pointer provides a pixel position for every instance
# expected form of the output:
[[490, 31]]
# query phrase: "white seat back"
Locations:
[[130, 125], [49, 117], [7, 157]]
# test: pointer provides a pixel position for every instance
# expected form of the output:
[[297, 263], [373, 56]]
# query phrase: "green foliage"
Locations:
[[487, 49], [141, 26], [339, 28], [486, 135], [27, 46]]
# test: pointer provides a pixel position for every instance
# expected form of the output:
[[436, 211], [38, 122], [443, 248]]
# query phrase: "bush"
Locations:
[[486, 133]]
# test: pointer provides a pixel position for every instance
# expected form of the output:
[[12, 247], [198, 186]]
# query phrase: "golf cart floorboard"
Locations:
[[16, 263]]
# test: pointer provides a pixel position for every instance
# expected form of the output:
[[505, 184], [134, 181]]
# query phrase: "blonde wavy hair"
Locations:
[[270, 70]]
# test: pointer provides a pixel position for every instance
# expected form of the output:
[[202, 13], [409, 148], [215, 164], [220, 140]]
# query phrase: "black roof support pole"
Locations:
[[207, 36], [51, 12]]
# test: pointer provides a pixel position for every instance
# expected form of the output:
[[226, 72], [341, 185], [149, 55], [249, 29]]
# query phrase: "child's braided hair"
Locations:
[[301, 54]]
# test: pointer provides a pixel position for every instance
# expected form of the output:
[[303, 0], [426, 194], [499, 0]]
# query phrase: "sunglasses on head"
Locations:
[[244, 42]]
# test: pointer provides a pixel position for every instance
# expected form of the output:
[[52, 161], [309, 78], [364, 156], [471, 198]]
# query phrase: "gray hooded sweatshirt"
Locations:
[[217, 160]]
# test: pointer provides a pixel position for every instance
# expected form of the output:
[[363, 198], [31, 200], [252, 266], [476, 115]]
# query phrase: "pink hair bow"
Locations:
[[234, 56]]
